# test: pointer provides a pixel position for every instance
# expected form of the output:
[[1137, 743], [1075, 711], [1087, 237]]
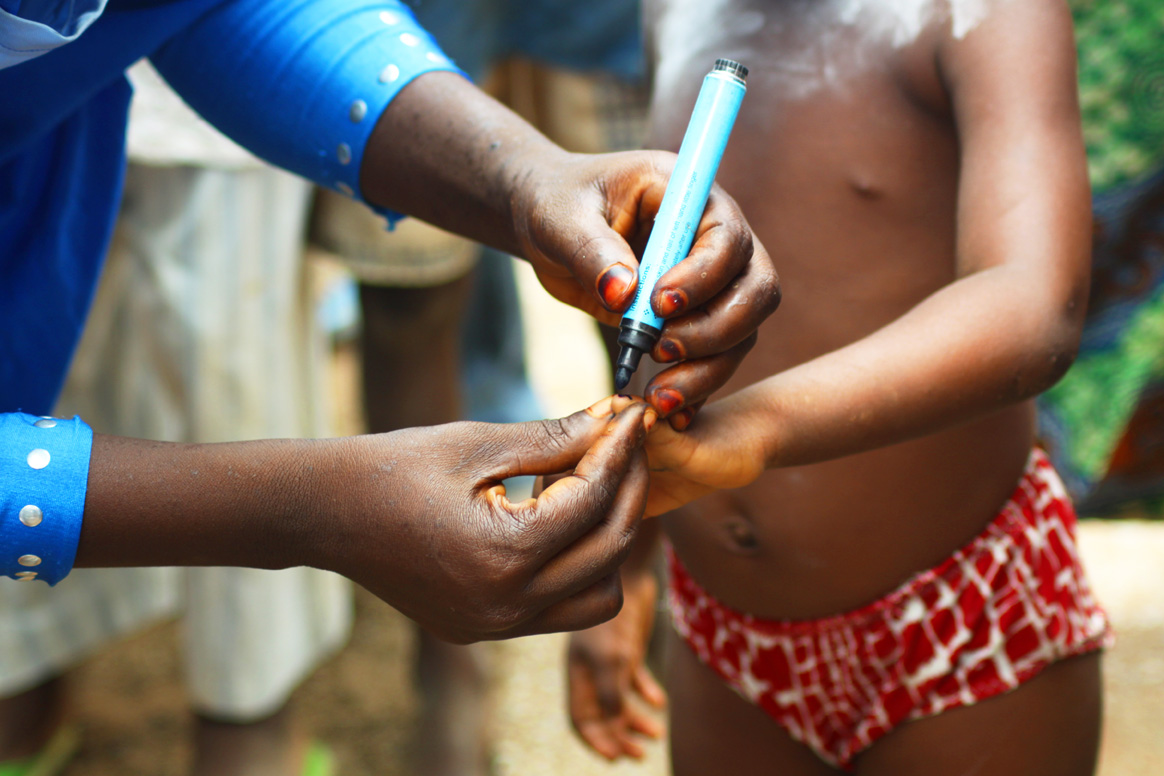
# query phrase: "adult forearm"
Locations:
[[449, 154], [237, 504]]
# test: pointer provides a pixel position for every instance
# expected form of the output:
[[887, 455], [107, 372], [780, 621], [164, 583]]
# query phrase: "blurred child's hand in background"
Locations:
[[608, 678]]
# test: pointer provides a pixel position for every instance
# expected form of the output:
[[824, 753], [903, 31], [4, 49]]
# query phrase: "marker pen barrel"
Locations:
[[682, 207]]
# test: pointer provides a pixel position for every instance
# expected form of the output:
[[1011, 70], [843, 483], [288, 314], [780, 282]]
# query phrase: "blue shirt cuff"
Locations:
[[309, 79], [44, 475]]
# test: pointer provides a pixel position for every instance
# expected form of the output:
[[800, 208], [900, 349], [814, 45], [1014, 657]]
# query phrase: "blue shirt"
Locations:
[[299, 82]]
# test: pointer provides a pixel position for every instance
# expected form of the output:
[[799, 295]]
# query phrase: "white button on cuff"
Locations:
[[344, 153], [46, 423], [389, 18], [345, 189], [29, 560], [389, 74], [26, 576], [408, 39], [39, 458], [358, 110], [31, 515]]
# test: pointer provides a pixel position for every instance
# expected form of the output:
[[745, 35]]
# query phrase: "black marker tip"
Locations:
[[622, 376]]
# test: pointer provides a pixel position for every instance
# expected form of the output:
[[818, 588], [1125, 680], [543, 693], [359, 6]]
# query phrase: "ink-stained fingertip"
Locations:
[[620, 402], [616, 286], [668, 350], [670, 301], [665, 400]]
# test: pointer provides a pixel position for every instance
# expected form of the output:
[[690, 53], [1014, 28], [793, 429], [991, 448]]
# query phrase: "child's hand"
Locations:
[[721, 449], [606, 670]]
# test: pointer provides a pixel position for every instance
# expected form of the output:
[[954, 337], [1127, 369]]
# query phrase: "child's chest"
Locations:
[[843, 108]]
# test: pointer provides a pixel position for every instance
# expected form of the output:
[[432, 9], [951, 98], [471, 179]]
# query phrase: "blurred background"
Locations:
[[1105, 422]]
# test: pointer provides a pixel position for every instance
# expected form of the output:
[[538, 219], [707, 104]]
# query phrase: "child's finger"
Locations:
[[642, 724], [647, 687], [586, 714], [598, 735], [670, 450]]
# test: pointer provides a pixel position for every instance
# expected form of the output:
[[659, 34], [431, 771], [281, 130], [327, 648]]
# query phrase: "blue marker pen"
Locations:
[[682, 207]]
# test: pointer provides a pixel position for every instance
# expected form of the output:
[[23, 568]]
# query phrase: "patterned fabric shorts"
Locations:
[[1008, 604]]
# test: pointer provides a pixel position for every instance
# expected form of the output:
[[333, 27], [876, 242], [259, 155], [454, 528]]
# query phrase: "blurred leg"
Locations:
[[215, 340], [411, 356], [28, 719]]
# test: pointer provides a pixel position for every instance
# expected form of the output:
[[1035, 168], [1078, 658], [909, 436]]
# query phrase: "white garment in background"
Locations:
[[202, 330]]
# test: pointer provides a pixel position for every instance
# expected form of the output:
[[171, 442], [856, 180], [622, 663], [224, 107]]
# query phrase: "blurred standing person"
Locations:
[[1104, 423], [202, 331]]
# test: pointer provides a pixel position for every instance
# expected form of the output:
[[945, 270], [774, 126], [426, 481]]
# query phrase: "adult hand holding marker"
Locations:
[[704, 283], [682, 208]]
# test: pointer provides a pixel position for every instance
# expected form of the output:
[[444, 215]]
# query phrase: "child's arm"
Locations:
[[1006, 329]]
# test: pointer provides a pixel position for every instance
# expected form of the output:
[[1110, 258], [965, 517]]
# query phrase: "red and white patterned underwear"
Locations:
[[1008, 604]]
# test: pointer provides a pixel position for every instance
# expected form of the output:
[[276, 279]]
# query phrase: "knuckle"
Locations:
[[552, 433], [745, 245], [770, 292], [609, 603], [498, 618]]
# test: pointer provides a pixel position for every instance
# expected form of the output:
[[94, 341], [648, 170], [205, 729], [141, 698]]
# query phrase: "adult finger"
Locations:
[[689, 383], [546, 446], [594, 251], [604, 548], [592, 495], [724, 245], [592, 606], [725, 320]]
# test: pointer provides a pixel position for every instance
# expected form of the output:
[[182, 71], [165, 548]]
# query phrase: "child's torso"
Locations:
[[845, 161]]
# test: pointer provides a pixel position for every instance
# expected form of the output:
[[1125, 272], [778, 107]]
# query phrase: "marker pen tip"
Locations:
[[622, 376]]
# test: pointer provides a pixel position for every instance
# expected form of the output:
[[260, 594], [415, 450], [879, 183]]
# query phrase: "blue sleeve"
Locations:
[[308, 79], [44, 474]]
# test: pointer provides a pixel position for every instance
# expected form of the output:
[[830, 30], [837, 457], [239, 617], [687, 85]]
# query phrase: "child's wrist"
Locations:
[[755, 427]]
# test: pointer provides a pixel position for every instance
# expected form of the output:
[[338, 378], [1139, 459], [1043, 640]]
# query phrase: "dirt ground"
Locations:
[[132, 706]]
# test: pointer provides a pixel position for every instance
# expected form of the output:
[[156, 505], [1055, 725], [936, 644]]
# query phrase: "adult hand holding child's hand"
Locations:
[[467, 563], [417, 516]]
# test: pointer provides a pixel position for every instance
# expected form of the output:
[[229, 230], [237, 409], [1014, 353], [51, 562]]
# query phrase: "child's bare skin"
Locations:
[[926, 203]]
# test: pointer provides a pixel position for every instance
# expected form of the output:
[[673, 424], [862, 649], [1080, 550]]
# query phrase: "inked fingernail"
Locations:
[[681, 420], [666, 400], [614, 284], [669, 350], [672, 301]]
